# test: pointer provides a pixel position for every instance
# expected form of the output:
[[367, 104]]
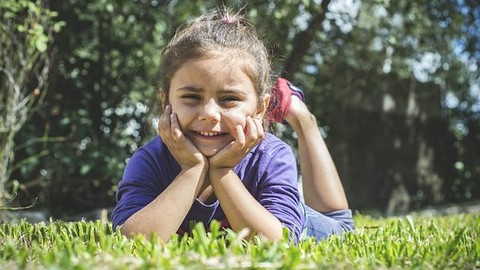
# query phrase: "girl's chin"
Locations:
[[211, 150], [208, 152], [210, 147]]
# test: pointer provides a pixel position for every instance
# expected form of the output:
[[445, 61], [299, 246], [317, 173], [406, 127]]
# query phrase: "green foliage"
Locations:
[[26, 32], [398, 243], [30, 20], [388, 124], [381, 106]]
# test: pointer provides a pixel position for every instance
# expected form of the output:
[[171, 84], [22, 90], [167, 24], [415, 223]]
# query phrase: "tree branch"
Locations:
[[303, 40]]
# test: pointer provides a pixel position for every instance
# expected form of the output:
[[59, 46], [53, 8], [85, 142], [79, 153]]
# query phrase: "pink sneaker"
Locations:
[[282, 93]]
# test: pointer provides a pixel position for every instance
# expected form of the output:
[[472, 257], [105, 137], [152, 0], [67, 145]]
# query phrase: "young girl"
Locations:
[[213, 159]]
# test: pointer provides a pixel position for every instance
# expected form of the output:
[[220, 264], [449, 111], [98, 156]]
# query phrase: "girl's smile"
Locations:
[[211, 96], [210, 142]]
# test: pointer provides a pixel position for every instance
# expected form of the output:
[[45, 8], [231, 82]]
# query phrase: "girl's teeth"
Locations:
[[209, 133]]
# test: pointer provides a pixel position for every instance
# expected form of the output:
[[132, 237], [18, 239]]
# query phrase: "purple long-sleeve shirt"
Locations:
[[268, 172]]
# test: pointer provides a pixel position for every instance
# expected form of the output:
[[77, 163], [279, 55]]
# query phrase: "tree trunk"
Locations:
[[303, 41]]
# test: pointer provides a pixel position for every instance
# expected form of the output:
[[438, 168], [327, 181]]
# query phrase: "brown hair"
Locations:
[[218, 32]]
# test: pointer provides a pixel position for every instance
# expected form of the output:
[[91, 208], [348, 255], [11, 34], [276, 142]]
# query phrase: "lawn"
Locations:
[[395, 243]]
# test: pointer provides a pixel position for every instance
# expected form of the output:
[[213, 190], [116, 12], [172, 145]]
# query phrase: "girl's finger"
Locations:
[[252, 132], [175, 127], [240, 138], [260, 131]]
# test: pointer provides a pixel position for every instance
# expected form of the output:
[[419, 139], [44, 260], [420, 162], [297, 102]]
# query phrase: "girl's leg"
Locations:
[[326, 208], [322, 188], [322, 225]]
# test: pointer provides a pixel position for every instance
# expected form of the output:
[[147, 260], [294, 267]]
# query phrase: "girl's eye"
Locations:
[[230, 99], [191, 97]]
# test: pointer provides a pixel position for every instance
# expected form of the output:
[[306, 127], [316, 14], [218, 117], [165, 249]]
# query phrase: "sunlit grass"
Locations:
[[398, 243]]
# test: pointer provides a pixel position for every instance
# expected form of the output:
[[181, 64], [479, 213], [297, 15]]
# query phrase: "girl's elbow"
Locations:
[[129, 229], [273, 233]]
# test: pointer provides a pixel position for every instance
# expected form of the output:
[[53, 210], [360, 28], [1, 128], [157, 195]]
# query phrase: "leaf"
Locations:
[[58, 26], [41, 44], [85, 169]]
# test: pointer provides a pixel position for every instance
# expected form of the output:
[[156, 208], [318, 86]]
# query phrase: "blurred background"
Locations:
[[395, 86]]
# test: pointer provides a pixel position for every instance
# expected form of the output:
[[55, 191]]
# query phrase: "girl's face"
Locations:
[[211, 96]]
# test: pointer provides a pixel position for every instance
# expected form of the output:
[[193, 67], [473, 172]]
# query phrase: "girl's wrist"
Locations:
[[216, 173], [201, 166]]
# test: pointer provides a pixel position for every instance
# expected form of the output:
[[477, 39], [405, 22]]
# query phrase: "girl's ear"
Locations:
[[263, 106]]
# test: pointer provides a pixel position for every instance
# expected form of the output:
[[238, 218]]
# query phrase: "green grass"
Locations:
[[450, 242]]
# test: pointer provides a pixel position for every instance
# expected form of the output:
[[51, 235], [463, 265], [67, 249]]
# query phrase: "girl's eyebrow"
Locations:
[[233, 91], [190, 88]]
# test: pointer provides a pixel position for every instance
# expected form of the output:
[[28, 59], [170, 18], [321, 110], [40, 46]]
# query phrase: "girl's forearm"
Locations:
[[165, 214], [241, 208]]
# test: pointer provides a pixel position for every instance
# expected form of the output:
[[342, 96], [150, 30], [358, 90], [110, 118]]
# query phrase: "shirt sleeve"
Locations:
[[139, 186], [278, 189]]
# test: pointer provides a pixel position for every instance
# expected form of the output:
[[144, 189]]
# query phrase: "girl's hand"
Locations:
[[234, 152], [182, 149]]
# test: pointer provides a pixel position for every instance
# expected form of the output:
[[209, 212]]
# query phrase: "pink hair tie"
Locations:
[[228, 20]]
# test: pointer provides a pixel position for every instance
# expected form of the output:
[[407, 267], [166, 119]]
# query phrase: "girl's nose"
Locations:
[[210, 111]]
